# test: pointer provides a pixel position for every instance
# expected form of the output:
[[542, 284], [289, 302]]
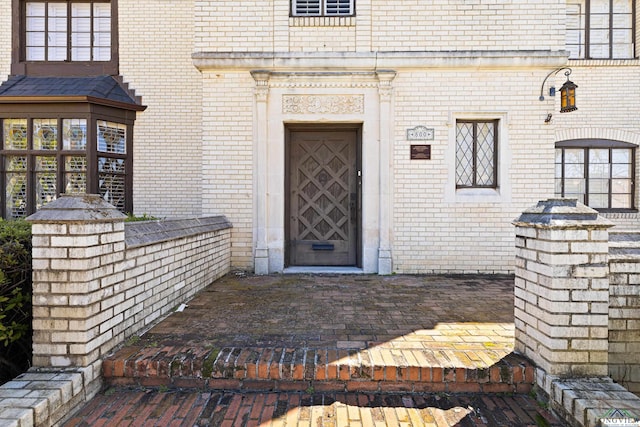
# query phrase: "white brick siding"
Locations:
[[227, 156], [107, 293], [156, 42], [195, 144], [5, 39]]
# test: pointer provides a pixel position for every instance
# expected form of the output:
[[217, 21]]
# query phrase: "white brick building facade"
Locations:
[[219, 79]]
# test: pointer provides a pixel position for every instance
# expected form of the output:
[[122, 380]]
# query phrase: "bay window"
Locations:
[[45, 157]]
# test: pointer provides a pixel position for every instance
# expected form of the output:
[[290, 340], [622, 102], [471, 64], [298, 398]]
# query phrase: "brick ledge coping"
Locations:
[[44, 397], [156, 231], [583, 401]]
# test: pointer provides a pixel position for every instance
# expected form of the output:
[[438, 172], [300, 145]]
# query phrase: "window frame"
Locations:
[[92, 114], [323, 10], [586, 145], [496, 128], [20, 65], [586, 45]]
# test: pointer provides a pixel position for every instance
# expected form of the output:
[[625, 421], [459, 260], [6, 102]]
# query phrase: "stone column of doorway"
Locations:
[[385, 260], [261, 132]]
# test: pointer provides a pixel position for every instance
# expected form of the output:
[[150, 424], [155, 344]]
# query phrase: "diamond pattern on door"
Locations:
[[323, 184]]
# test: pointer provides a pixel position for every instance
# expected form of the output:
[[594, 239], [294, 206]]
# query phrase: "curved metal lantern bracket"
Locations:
[[554, 72]]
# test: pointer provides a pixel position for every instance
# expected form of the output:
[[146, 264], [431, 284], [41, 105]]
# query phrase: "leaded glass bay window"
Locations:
[[600, 175], [15, 179], [75, 134], [15, 134], [46, 171], [45, 157], [75, 177], [111, 162]]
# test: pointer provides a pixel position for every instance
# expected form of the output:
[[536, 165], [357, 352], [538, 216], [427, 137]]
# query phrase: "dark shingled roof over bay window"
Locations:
[[65, 135], [105, 90]]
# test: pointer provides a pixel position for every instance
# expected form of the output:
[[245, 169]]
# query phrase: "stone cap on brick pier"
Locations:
[[561, 213], [77, 208]]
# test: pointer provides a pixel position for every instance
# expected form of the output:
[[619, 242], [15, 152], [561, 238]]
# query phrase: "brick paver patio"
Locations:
[[398, 350]]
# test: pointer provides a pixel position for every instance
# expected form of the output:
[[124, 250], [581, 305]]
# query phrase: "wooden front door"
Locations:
[[323, 194]]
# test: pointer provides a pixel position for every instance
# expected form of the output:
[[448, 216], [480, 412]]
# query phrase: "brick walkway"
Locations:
[[397, 349], [182, 408]]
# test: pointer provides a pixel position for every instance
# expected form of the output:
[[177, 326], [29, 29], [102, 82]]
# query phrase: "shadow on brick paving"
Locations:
[[462, 323], [124, 407]]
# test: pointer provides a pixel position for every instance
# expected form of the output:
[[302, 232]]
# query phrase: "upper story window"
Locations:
[[599, 173], [73, 31], [476, 154], [65, 37], [601, 29], [322, 7]]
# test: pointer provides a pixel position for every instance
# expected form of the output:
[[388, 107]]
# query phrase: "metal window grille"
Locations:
[[322, 7]]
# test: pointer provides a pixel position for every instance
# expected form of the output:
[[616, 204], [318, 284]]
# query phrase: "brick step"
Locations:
[[324, 370]]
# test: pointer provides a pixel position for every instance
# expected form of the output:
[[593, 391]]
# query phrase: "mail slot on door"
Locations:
[[322, 246]]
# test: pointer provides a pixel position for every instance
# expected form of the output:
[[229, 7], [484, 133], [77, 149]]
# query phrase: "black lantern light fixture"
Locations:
[[567, 91]]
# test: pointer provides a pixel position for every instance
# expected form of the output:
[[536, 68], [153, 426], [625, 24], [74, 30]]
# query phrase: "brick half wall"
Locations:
[[98, 281]]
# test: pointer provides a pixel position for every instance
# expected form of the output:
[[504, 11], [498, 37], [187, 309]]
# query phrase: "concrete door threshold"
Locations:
[[322, 270]]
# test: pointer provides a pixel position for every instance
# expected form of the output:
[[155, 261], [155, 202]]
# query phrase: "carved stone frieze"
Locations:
[[323, 104]]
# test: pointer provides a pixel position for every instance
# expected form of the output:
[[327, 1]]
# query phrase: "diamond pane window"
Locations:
[[46, 182], [600, 177], [111, 179], [15, 186], [476, 154], [75, 174]]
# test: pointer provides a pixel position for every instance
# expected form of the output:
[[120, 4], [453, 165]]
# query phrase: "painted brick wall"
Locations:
[[228, 26], [562, 289], [624, 322], [5, 39], [606, 95], [383, 25], [227, 155], [321, 38], [446, 25], [156, 42], [435, 228], [92, 290]]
